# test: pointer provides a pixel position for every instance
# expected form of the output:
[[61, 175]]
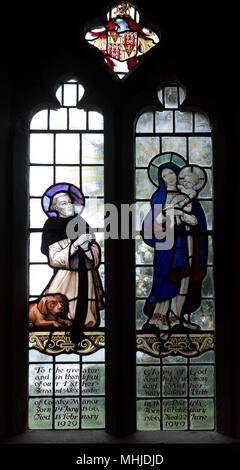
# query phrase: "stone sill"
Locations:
[[95, 438]]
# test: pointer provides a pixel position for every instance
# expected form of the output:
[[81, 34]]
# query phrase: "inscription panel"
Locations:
[[201, 380], [174, 381], [40, 413], [67, 378], [93, 413], [148, 381], [93, 379], [148, 415], [175, 414], [201, 414], [66, 413], [40, 379]]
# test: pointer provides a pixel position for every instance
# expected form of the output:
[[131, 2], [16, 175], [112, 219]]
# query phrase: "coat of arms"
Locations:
[[122, 46], [122, 40]]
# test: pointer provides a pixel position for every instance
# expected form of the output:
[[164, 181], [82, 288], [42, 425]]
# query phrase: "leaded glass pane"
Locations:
[[66, 413], [67, 358], [201, 381], [41, 147], [171, 97], [67, 379], [122, 40], [58, 119], [142, 209], [206, 192], [144, 190], [175, 144], [145, 123], [92, 149], [92, 180], [148, 381], [174, 360], [34, 245], [200, 151], [93, 380], [37, 356], [37, 216], [164, 121], [140, 317], [38, 273], [40, 379], [201, 414], [93, 413], [95, 121], [77, 119], [143, 358], [183, 121], [210, 249], [174, 267], [201, 123], [94, 212], [148, 415], [207, 357], [144, 281], [174, 381], [67, 148], [98, 356], [66, 266], [208, 283], [144, 253], [40, 413], [68, 173], [204, 316], [40, 120], [146, 148], [69, 94], [40, 176], [208, 211], [175, 414]]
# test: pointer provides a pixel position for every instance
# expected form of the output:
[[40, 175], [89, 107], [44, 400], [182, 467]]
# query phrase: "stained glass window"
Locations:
[[174, 267], [122, 40], [66, 265]]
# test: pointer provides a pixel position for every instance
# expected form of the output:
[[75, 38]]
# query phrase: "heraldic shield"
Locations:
[[122, 40], [122, 46]]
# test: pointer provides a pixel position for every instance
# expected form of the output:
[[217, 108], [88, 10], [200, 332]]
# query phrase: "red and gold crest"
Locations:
[[122, 39], [122, 46]]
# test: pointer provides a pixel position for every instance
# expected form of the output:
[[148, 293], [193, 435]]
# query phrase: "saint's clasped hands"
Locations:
[[83, 242]]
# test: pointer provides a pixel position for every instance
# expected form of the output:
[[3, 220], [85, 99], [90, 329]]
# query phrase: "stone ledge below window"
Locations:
[[95, 437]]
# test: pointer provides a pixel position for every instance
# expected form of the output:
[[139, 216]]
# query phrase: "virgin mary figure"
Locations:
[[180, 269]]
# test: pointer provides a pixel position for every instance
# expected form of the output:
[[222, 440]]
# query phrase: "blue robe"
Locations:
[[171, 265]]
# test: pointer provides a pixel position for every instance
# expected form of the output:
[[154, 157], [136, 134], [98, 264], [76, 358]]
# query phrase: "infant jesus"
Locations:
[[189, 181]]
